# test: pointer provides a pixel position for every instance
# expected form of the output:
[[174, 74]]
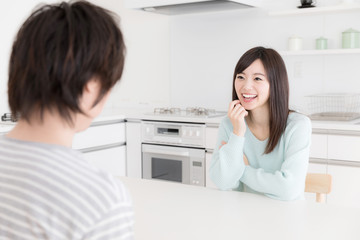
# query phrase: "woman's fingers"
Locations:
[[246, 160], [222, 144], [238, 112], [232, 105]]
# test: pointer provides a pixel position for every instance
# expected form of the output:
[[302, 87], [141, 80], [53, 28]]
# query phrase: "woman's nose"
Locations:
[[247, 85]]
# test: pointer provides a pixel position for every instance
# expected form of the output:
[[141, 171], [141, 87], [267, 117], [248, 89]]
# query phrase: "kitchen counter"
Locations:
[[198, 119], [144, 114], [165, 210], [318, 126]]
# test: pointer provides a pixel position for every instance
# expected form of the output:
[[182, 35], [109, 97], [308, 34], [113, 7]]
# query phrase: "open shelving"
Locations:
[[321, 52], [317, 10]]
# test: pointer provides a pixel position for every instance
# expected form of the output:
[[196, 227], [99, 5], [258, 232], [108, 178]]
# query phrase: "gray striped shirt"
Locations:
[[50, 192]]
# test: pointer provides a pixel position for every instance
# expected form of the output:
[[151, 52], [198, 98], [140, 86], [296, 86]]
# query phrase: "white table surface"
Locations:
[[171, 211]]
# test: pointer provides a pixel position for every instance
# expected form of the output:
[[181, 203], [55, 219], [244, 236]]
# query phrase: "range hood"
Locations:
[[176, 7]]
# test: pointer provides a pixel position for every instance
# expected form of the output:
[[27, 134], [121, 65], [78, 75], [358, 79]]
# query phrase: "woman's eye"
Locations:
[[258, 79], [240, 77]]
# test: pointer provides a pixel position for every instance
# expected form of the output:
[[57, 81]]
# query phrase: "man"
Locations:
[[64, 61]]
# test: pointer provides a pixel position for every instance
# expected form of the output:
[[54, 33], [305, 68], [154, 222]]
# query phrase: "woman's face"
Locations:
[[252, 86]]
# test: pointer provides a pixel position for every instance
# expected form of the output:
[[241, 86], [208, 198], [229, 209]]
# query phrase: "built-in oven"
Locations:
[[173, 152]]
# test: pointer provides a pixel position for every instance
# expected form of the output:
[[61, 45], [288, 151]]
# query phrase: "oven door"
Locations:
[[177, 164]]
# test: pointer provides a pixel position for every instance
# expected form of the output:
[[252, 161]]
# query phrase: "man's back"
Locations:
[[49, 191]]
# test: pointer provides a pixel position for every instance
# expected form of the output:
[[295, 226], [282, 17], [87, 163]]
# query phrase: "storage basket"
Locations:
[[334, 106]]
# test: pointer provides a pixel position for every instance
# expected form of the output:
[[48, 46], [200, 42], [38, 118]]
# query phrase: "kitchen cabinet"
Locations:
[[133, 145], [103, 145], [342, 161], [111, 159], [344, 147], [346, 185]]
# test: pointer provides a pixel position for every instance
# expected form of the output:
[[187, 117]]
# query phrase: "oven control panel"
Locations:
[[197, 173], [173, 133]]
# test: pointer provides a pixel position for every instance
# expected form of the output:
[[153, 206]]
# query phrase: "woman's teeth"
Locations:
[[249, 95]]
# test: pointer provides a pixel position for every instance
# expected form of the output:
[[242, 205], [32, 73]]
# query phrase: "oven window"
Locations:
[[166, 169]]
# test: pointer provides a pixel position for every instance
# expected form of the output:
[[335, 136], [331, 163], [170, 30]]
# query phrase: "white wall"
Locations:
[[147, 69], [12, 15], [206, 47]]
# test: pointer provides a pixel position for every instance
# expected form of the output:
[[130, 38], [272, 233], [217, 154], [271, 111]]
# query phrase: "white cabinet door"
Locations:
[[112, 160], [208, 182], [133, 149], [344, 147], [211, 137], [100, 135], [318, 148], [346, 186]]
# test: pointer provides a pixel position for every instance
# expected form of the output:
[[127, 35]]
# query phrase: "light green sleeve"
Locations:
[[227, 164], [288, 182]]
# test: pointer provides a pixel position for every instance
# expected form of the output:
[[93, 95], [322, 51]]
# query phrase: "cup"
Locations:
[[321, 43], [295, 43]]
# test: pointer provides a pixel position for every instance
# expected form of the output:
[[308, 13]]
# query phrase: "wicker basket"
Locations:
[[334, 106]]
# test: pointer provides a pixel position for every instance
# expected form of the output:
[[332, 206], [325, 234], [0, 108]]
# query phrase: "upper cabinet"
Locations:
[[176, 7]]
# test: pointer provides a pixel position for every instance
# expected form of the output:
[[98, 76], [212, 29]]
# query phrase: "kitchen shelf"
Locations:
[[317, 10], [321, 52]]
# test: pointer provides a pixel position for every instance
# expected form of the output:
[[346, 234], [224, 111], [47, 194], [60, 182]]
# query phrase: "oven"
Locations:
[[173, 152]]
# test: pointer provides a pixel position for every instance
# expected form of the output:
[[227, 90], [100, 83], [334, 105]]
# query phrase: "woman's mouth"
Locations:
[[248, 97]]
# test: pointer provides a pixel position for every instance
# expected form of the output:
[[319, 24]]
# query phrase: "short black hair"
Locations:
[[57, 50]]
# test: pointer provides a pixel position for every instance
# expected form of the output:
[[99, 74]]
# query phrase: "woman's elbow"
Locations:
[[223, 182]]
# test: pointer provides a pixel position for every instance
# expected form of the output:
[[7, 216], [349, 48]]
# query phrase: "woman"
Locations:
[[263, 147]]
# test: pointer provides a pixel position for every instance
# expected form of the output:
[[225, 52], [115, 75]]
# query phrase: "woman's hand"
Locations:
[[237, 114]]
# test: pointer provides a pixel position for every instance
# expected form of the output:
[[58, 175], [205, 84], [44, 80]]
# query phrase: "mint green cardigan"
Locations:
[[280, 174]]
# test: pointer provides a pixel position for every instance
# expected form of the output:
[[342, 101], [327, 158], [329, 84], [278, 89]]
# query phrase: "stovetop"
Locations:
[[198, 112]]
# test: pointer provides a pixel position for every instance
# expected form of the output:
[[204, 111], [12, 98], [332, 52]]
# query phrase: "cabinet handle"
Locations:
[[103, 147], [186, 154], [343, 163]]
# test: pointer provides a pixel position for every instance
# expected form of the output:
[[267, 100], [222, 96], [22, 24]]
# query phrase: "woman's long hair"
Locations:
[[279, 89]]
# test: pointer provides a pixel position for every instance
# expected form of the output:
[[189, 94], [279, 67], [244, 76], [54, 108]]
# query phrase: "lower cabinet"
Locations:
[[110, 159], [133, 149], [346, 185], [103, 145]]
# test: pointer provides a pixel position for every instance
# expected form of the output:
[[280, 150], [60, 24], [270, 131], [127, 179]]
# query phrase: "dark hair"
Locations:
[[279, 89], [57, 50]]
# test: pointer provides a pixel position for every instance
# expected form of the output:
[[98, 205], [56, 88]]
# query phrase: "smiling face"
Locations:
[[252, 86]]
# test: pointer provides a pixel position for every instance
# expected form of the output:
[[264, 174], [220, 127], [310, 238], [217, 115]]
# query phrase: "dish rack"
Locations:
[[334, 106]]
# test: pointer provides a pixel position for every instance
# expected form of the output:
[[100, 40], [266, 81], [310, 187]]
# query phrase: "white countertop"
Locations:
[[137, 114], [165, 210]]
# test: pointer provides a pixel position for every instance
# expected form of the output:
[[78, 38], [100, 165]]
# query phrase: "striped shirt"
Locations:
[[50, 192]]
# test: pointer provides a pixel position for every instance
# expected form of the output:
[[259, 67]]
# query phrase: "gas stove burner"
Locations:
[[200, 111], [167, 110], [8, 117]]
